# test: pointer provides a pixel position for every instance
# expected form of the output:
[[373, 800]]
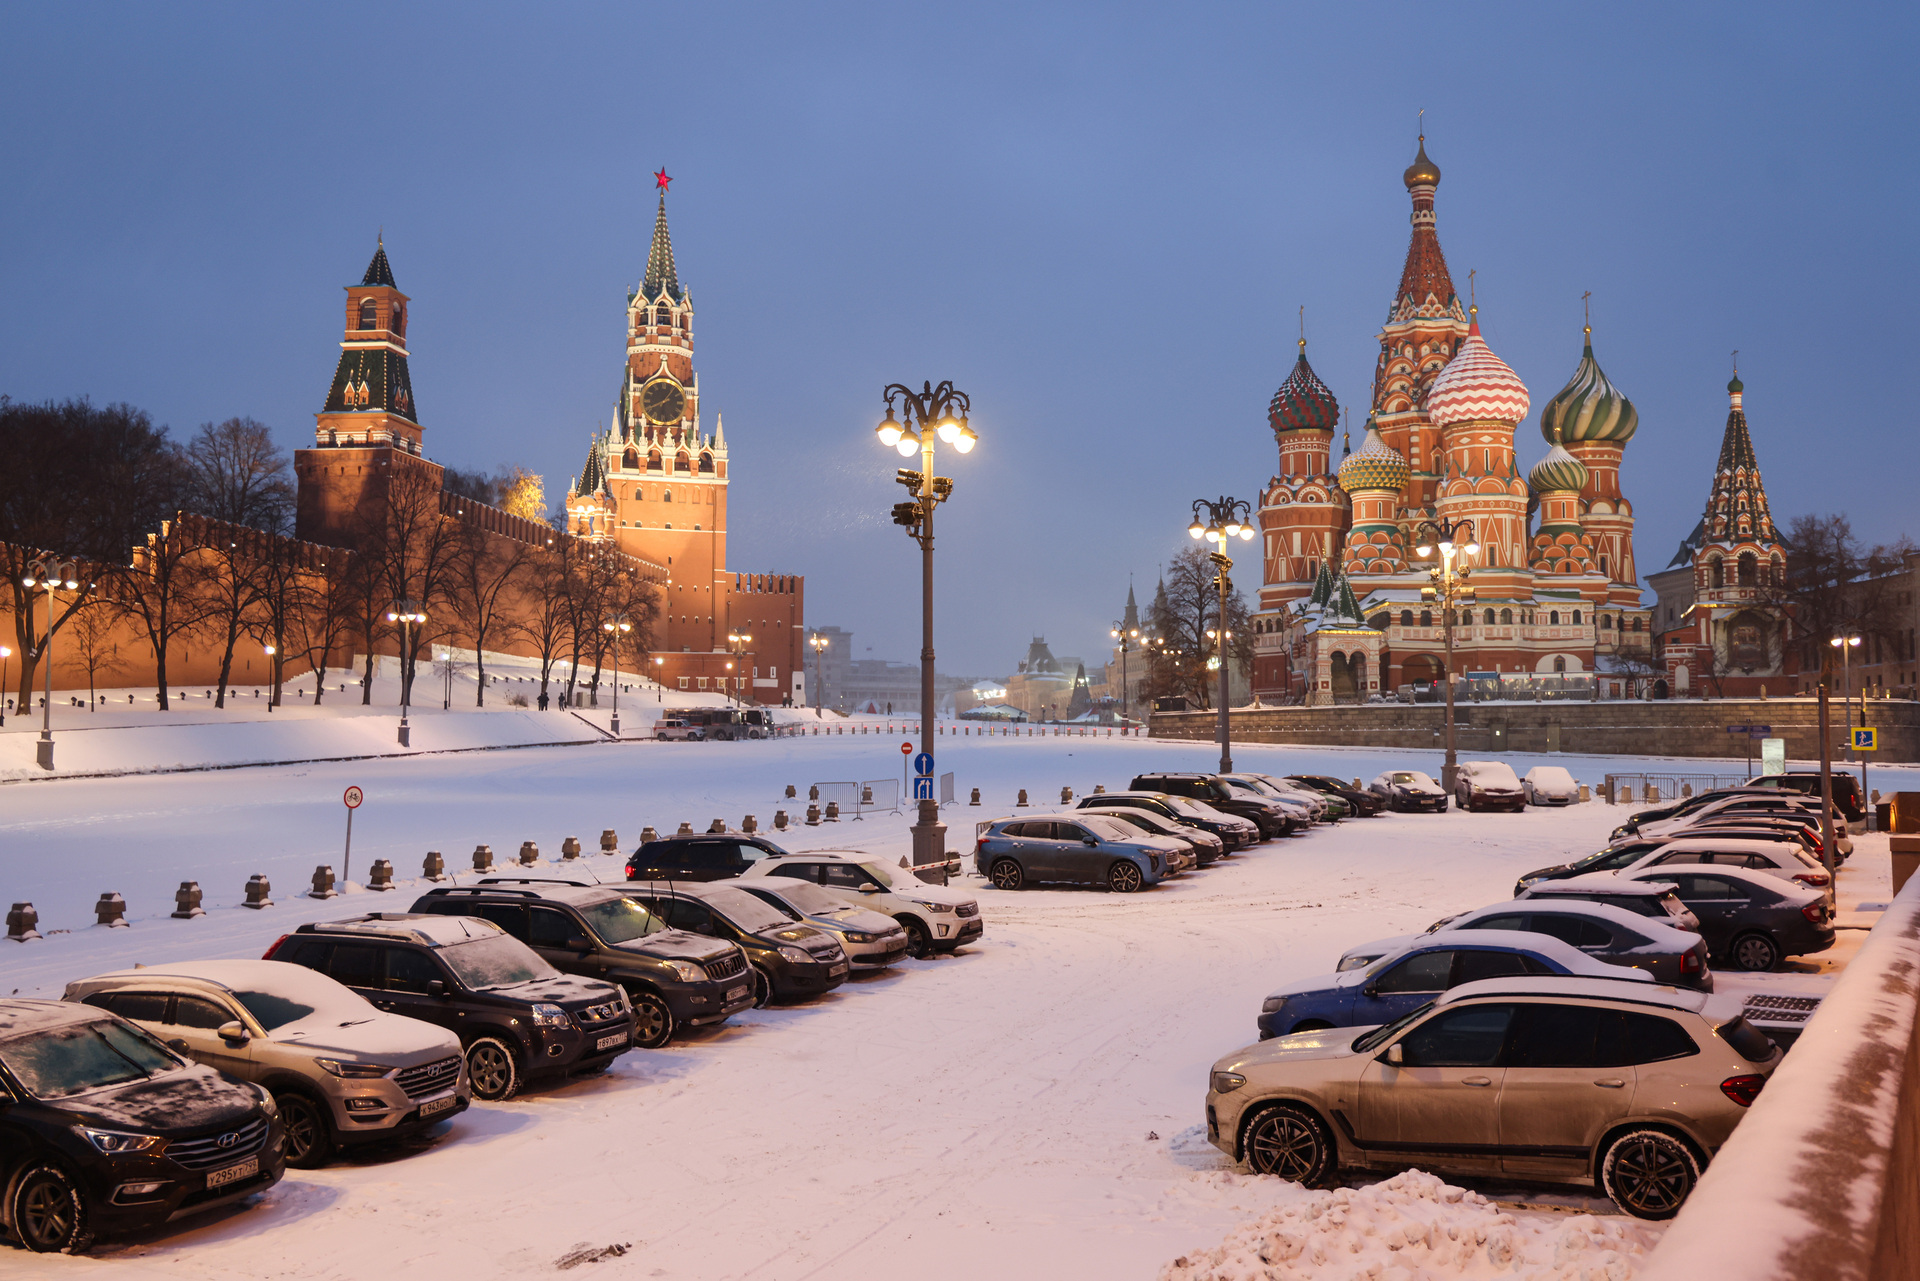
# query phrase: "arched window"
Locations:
[[662, 317], [1603, 564], [1606, 622], [1380, 621], [681, 462], [1559, 664], [631, 459], [1406, 618], [1576, 618], [706, 462], [369, 313], [398, 323], [1749, 569], [666, 495], [1553, 616], [1489, 618], [1426, 618], [1506, 616], [1719, 573], [1639, 624], [653, 460]]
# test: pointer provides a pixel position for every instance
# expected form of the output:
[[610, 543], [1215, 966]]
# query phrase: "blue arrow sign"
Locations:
[[923, 788], [923, 764]]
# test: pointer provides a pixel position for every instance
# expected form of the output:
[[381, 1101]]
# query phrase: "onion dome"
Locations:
[[1589, 407], [1375, 465], [1303, 402], [1476, 386], [1422, 172], [1558, 470]]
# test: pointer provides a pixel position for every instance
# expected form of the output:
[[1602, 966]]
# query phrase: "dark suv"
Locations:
[[1846, 789], [673, 978], [1364, 804], [788, 960], [104, 1130], [711, 857], [1233, 833], [516, 1016], [1209, 790]]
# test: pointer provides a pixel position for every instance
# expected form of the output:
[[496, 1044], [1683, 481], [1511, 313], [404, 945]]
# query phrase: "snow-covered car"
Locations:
[[1318, 808], [1601, 930], [1480, 785], [936, 918], [1078, 848], [872, 940], [1775, 858], [1748, 918], [673, 729], [1549, 785], [1409, 789], [1646, 898], [1198, 848], [1789, 807], [1296, 806]]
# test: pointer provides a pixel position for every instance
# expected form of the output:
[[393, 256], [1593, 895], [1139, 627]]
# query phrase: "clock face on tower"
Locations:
[[663, 402]]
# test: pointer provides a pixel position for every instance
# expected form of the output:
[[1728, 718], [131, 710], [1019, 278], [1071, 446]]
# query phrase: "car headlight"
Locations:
[[1227, 1082], [1272, 1004], [118, 1142], [688, 971], [267, 1102], [545, 1015], [855, 936], [361, 1071], [932, 907], [795, 955]]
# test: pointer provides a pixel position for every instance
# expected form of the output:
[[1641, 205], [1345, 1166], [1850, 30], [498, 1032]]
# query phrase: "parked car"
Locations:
[[1077, 848], [105, 1131], [786, 960], [872, 940], [1484, 785], [672, 979], [1209, 790], [1319, 806], [1683, 805], [1846, 789], [1362, 802], [1647, 898], [935, 917], [1775, 858], [1624, 853], [1549, 785], [518, 1018], [1744, 806], [342, 1072], [1409, 975], [1234, 833], [1304, 808], [1409, 789], [1749, 919], [1202, 847], [707, 857], [1803, 826], [673, 729], [1631, 1085], [1601, 930]]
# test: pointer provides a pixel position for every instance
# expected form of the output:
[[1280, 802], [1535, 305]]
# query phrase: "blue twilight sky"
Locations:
[[1099, 220]]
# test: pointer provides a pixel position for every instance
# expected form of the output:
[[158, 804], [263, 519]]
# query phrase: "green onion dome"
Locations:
[[1589, 407], [1558, 470], [1375, 465]]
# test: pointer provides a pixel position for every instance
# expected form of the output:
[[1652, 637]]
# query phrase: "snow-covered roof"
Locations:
[[1642, 992]]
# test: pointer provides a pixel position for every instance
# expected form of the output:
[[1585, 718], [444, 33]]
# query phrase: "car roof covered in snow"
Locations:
[[25, 1016], [415, 927], [1528, 941], [1598, 883], [1605, 989], [1618, 917], [1744, 875]]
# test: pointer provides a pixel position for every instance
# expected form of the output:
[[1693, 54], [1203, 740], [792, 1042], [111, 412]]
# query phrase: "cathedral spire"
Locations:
[[661, 276], [379, 271], [1424, 282]]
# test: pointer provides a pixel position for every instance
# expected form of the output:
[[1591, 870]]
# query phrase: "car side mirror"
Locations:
[[436, 987], [1395, 1056], [871, 888], [579, 943], [1370, 991], [1090, 841], [178, 1046], [234, 1032]]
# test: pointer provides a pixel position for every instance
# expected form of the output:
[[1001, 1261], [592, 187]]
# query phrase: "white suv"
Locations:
[[937, 919]]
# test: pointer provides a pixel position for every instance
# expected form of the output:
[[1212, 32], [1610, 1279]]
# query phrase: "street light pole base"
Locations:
[[406, 737], [44, 754], [930, 840], [616, 725]]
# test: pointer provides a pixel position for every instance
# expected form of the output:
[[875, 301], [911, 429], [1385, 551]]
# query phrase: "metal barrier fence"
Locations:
[[1628, 789]]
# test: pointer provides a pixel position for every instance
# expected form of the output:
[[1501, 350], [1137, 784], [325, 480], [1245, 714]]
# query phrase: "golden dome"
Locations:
[[1422, 172]]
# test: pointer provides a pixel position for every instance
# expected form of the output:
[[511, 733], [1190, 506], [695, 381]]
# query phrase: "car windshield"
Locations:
[[882, 873], [744, 910], [1191, 809], [302, 993], [1552, 776], [1111, 830], [496, 962], [619, 919], [1379, 1036], [1612, 857], [84, 1056], [1492, 774], [806, 896]]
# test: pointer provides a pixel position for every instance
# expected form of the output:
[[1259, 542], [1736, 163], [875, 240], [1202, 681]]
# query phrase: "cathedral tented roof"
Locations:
[[594, 474], [661, 275], [379, 271]]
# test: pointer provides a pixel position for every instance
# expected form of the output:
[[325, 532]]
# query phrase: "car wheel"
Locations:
[[1291, 1142], [1124, 877], [1754, 952], [1006, 875], [652, 1020], [1648, 1173], [492, 1069], [309, 1138], [762, 988], [919, 942], [47, 1211]]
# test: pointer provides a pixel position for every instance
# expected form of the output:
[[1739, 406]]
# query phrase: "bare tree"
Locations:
[[481, 581], [549, 620], [235, 473], [232, 574], [1186, 607], [161, 592], [326, 613], [92, 629], [416, 552], [1837, 586]]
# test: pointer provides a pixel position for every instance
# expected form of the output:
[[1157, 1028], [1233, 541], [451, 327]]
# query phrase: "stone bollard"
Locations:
[[1585, 794], [1686, 790], [1356, 783], [570, 849], [648, 834], [779, 820], [717, 828], [259, 892], [1099, 789], [813, 793], [186, 901], [322, 884], [529, 853], [111, 911], [1626, 794], [748, 824], [833, 811], [433, 867], [20, 923], [866, 794], [1021, 803], [790, 792], [1652, 794], [686, 829], [380, 875], [610, 842], [1066, 795], [976, 797], [483, 858], [813, 816]]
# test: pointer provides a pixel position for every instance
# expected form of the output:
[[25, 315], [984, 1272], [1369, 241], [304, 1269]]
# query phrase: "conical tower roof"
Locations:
[[1737, 509], [661, 277], [1425, 274], [1131, 618], [594, 474], [379, 271], [1589, 407]]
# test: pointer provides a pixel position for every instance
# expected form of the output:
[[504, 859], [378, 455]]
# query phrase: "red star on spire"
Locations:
[[660, 178]]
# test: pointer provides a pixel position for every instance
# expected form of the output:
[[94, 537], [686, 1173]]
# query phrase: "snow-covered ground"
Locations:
[[1028, 1107]]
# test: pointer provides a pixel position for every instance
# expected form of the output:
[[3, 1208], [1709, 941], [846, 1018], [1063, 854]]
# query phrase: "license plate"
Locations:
[[608, 1042], [233, 1173], [839, 969], [735, 993], [433, 1106]]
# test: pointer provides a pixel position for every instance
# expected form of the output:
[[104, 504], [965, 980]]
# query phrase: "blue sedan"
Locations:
[[1075, 848], [1409, 977]]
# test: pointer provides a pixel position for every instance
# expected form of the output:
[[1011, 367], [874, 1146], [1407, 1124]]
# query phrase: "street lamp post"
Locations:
[[275, 696], [925, 414], [1846, 645], [5, 654], [407, 613], [617, 626], [1227, 518], [1449, 589], [1127, 636], [819, 645], [49, 575], [737, 643]]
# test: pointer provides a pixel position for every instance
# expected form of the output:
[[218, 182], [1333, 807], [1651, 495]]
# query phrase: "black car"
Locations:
[[1750, 919], [1626, 851], [1365, 804], [787, 960], [104, 1130], [516, 1016], [673, 979], [708, 857], [1208, 790], [1763, 801], [1235, 833], [1846, 789]]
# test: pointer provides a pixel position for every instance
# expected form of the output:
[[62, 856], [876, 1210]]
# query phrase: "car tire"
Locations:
[[47, 1210], [1648, 1173], [1006, 875], [1754, 952], [1125, 877], [762, 988], [309, 1136], [493, 1069], [1291, 1142], [653, 1024], [919, 942]]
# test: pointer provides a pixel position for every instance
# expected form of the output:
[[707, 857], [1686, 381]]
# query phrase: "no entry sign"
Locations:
[[906, 749]]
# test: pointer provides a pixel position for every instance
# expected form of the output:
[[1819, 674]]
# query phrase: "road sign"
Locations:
[[906, 749], [353, 797], [923, 763], [923, 789], [1751, 731], [1866, 740]]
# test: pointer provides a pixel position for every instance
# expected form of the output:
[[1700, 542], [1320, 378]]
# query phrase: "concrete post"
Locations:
[[259, 892], [186, 901], [648, 834], [111, 911], [570, 849], [1066, 795], [529, 853], [20, 923], [483, 858], [813, 816], [322, 884], [976, 797], [609, 842], [434, 867], [1021, 803], [380, 875]]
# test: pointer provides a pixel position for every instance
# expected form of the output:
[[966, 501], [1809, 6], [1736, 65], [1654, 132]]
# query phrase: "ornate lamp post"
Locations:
[[1128, 638], [1448, 590], [275, 696], [617, 626], [5, 654], [737, 643], [932, 411], [1227, 518], [659, 679], [818, 644], [407, 613], [49, 575]]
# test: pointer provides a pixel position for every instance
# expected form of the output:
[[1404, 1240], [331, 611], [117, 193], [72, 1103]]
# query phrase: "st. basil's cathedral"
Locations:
[[1557, 601]]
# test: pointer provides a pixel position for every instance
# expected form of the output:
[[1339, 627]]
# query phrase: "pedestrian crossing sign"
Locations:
[[1866, 740]]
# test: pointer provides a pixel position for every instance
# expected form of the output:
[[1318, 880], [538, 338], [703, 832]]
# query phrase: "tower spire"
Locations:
[[661, 275]]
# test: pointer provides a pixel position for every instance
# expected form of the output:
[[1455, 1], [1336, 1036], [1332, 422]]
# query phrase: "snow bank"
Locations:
[[1415, 1227]]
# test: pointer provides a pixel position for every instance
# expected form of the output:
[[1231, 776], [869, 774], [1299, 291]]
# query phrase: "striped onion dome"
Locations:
[[1589, 407], [1303, 402], [1375, 465], [1558, 470], [1476, 386]]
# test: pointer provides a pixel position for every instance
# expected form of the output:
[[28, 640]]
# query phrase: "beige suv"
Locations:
[[341, 1071], [1632, 1086]]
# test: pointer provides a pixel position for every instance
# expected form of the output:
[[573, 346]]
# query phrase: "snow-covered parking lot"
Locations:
[[1028, 1107]]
